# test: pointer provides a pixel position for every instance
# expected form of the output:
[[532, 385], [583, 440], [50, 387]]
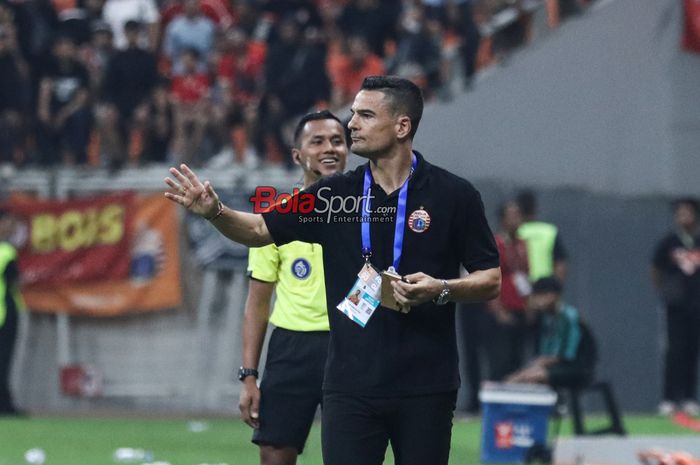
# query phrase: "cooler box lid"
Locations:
[[511, 393]]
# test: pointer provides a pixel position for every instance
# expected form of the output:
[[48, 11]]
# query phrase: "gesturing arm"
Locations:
[[199, 198]]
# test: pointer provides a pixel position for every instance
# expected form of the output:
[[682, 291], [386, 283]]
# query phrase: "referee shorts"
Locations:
[[290, 390], [357, 429]]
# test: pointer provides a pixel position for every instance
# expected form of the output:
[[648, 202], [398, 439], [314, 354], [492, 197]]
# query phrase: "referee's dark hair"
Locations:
[[405, 97], [317, 115]]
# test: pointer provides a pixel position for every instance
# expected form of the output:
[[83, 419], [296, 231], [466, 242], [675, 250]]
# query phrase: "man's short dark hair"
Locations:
[[527, 201], [691, 202], [405, 97], [315, 116], [132, 25], [547, 285], [502, 208]]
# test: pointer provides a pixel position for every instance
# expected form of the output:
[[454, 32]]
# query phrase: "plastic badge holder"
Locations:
[[515, 418]]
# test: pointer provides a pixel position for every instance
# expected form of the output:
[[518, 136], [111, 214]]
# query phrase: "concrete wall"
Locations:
[[608, 103]]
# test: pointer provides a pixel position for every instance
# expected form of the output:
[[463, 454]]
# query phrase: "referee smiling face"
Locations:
[[319, 146]]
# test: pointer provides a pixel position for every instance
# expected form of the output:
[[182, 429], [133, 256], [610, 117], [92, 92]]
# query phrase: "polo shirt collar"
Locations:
[[421, 173]]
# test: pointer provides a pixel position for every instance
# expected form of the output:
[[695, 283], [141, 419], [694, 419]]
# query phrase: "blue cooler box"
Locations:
[[514, 418]]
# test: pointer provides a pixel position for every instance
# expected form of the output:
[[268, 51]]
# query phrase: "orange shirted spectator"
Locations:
[[240, 68], [190, 94], [349, 69], [190, 88]]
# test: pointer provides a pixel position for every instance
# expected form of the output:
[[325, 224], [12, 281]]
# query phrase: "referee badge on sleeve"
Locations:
[[419, 221]]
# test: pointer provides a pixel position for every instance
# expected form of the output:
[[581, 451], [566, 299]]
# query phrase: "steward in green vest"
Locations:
[[545, 251], [10, 304]]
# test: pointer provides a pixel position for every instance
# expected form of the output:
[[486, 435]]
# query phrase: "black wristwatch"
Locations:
[[243, 373]]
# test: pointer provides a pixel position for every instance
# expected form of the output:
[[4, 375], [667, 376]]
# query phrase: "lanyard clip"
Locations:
[[366, 254]]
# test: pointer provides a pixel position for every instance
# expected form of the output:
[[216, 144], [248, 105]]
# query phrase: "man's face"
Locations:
[[7, 227], [322, 149], [512, 219], [64, 49], [358, 49], [544, 302], [102, 39], [685, 216], [191, 7], [373, 126], [189, 63], [132, 35]]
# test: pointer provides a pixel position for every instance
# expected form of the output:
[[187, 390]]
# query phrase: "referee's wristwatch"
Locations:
[[243, 373], [444, 295]]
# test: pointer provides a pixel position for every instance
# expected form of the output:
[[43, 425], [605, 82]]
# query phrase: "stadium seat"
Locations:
[[588, 355]]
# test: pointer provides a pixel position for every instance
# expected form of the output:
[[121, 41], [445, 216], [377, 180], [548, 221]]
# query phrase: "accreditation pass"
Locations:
[[363, 298]]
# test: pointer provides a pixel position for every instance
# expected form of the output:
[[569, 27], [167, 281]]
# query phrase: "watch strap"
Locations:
[[243, 373], [441, 299]]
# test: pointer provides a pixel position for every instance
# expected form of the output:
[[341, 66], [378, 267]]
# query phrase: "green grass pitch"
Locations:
[[92, 441]]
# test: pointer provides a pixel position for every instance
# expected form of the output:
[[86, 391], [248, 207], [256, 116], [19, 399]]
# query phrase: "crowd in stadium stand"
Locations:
[[127, 82]]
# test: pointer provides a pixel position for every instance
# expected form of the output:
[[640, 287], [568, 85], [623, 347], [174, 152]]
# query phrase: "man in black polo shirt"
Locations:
[[391, 376], [676, 274]]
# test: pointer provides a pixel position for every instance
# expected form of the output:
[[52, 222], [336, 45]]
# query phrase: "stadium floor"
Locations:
[[92, 441]]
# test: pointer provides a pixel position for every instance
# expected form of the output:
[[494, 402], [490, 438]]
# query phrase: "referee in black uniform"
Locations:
[[393, 378]]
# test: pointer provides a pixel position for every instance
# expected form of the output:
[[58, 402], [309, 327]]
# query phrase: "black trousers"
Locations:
[[356, 430], [682, 350], [8, 335]]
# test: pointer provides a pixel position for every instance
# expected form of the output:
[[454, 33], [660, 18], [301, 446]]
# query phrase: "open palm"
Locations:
[[191, 193]]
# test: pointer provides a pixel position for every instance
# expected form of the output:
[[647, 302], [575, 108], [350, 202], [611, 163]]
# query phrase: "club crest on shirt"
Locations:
[[419, 221], [301, 268]]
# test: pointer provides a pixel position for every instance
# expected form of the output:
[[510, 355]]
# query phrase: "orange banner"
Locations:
[[153, 281], [74, 240]]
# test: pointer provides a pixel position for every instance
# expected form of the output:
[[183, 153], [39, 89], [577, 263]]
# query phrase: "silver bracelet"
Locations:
[[218, 212]]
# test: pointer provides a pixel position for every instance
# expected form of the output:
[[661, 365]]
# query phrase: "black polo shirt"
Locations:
[[395, 354], [671, 257]]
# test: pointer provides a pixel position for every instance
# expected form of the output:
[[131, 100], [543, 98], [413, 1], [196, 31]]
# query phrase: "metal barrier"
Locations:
[[174, 361]]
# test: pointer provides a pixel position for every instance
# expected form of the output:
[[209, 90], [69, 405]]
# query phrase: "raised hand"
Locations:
[[191, 193]]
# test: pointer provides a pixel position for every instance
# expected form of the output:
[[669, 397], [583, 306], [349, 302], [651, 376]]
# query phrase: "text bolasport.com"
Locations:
[[320, 207]]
